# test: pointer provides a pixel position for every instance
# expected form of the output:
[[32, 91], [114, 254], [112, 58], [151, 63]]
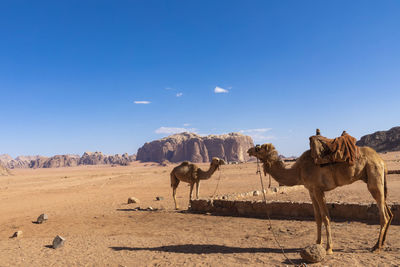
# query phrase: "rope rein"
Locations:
[[269, 219], [219, 179]]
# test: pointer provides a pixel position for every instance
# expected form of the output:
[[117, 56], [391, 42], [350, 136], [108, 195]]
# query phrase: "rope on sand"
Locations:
[[269, 219], [216, 188]]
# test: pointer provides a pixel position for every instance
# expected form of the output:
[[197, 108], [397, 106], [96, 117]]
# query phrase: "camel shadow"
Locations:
[[365, 250], [206, 249]]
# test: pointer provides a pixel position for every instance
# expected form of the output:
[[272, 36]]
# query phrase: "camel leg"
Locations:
[[197, 189], [378, 195], [317, 216], [190, 193], [174, 196], [389, 213], [174, 185], [320, 198]]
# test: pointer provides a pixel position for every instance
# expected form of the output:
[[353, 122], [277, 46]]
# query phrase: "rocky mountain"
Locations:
[[18, 162], [195, 148], [95, 158], [382, 141], [55, 161], [4, 158], [3, 170], [88, 158]]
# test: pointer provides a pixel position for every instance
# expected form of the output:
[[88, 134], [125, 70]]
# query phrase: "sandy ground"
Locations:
[[87, 206]]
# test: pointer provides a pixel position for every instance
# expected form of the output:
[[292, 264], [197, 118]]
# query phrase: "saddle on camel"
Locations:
[[327, 151]]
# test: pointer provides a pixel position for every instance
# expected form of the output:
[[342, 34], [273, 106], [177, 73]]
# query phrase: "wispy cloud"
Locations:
[[142, 102], [186, 124], [259, 130], [169, 88], [173, 130], [179, 94], [219, 90], [258, 135]]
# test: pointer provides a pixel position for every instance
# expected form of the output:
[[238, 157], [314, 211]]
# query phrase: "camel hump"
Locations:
[[185, 163]]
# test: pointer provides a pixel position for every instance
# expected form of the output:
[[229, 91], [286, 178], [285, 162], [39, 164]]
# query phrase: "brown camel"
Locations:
[[369, 167], [192, 174]]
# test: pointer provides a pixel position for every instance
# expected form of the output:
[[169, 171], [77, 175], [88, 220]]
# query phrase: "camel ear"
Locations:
[[268, 147]]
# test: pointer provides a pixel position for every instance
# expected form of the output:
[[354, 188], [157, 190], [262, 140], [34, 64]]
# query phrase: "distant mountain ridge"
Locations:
[[382, 141], [3, 170], [88, 158], [192, 147]]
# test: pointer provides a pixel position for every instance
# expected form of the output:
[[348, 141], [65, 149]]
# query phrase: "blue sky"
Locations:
[[71, 71]]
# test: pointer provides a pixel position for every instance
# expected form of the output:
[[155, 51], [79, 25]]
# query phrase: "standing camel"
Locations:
[[369, 167], [192, 174]]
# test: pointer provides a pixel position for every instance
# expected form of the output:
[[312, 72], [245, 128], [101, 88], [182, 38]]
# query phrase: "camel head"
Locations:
[[265, 153], [217, 162]]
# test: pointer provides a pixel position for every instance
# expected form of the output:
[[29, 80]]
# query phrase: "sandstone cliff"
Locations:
[[18, 162], [88, 158], [382, 141], [95, 158], [55, 161], [3, 170], [194, 148]]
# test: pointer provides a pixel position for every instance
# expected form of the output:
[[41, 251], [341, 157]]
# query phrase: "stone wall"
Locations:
[[291, 210]]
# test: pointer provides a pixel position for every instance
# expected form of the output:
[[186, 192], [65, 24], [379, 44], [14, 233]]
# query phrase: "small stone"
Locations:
[[58, 242], [314, 253], [42, 218], [256, 193], [17, 234], [159, 198], [224, 197], [133, 200], [150, 208]]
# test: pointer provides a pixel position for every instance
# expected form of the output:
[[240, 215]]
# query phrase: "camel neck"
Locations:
[[204, 175], [283, 175]]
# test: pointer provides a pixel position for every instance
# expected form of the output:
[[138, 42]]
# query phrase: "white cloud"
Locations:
[[186, 124], [142, 102], [169, 88], [259, 130], [179, 94], [219, 90], [174, 130], [258, 135]]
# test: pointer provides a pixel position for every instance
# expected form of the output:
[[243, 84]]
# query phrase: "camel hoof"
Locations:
[[329, 251], [375, 249]]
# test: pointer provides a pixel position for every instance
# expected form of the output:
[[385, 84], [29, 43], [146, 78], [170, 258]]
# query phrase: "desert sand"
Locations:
[[87, 205]]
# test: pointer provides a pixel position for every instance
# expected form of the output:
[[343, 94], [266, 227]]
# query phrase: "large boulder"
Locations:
[[314, 253], [382, 141], [195, 148]]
